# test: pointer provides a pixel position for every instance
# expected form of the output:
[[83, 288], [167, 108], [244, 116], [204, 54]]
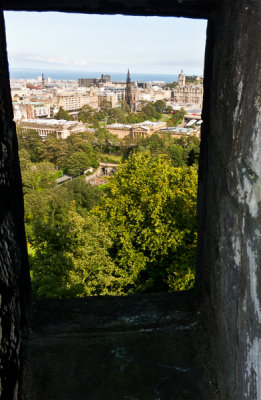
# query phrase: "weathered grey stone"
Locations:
[[230, 195], [229, 209], [13, 258], [143, 347]]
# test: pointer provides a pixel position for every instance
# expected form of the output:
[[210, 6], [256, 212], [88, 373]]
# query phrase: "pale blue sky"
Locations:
[[105, 43]]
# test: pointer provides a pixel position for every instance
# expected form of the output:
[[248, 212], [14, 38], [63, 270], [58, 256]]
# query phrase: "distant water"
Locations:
[[75, 75]]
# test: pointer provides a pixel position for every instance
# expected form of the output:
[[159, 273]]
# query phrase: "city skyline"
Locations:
[[81, 42]]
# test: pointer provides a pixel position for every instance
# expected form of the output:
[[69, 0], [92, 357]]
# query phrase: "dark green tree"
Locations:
[[30, 141], [160, 106], [86, 114], [55, 151], [149, 112], [116, 115], [78, 162], [176, 154], [63, 114]]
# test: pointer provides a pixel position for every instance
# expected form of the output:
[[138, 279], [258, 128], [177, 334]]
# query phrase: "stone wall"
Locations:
[[229, 191], [230, 195], [14, 276], [179, 8]]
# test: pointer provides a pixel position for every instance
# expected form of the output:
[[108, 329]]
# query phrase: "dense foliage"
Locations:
[[150, 209], [135, 234], [63, 114], [152, 111]]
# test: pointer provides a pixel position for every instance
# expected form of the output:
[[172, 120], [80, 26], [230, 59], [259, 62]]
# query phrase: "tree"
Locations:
[[63, 114], [71, 257], [116, 115], [30, 141], [154, 144], [176, 154], [150, 112], [85, 114], [192, 150], [177, 117], [171, 85], [38, 176], [84, 195], [105, 105], [160, 106], [55, 151], [150, 209], [105, 140], [125, 107], [78, 163]]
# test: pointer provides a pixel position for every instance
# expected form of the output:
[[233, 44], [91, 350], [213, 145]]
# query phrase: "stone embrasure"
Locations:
[[144, 347]]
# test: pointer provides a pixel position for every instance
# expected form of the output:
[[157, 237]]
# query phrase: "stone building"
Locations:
[[227, 296], [108, 96], [60, 127], [86, 82], [188, 93], [30, 110], [135, 131], [75, 101]]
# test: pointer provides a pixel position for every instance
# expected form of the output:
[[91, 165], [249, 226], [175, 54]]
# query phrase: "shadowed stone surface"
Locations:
[[184, 8], [86, 354], [230, 198], [146, 347], [14, 271]]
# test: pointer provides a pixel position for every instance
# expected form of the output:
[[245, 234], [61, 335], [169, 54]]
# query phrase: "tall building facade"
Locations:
[[188, 93]]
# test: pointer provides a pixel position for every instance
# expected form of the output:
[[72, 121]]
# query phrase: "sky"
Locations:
[[105, 43]]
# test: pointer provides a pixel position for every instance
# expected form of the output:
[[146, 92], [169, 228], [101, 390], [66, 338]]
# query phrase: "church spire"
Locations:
[[128, 91]]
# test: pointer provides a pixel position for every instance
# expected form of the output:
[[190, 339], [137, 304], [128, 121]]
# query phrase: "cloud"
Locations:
[[42, 59]]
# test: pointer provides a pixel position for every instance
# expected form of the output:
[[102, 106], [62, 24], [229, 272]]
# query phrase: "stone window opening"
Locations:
[[229, 256], [137, 135]]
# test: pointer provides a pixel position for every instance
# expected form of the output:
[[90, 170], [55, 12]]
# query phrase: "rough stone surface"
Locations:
[[146, 347], [179, 8], [13, 258], [229, 241], [230, 195]]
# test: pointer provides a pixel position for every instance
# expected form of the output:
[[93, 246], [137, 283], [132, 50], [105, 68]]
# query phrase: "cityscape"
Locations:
[[37, 101], [130, 200], [109, 160]]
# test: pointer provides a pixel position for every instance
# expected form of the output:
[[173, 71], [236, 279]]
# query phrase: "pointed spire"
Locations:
[[128, 94]]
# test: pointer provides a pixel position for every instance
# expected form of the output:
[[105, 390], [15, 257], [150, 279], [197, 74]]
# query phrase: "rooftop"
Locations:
[[50, 122]]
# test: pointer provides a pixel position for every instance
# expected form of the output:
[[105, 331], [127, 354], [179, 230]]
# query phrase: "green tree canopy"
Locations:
[[78, 163], [55, 150], [30, 141], [63, 114], [171, 85], [38, 176], [160, 106], [116, 115], [85, 114], [176, 154], [177, 117], [150, 209], [70, 256], [105, 105], [150, 112], [153, 144]]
